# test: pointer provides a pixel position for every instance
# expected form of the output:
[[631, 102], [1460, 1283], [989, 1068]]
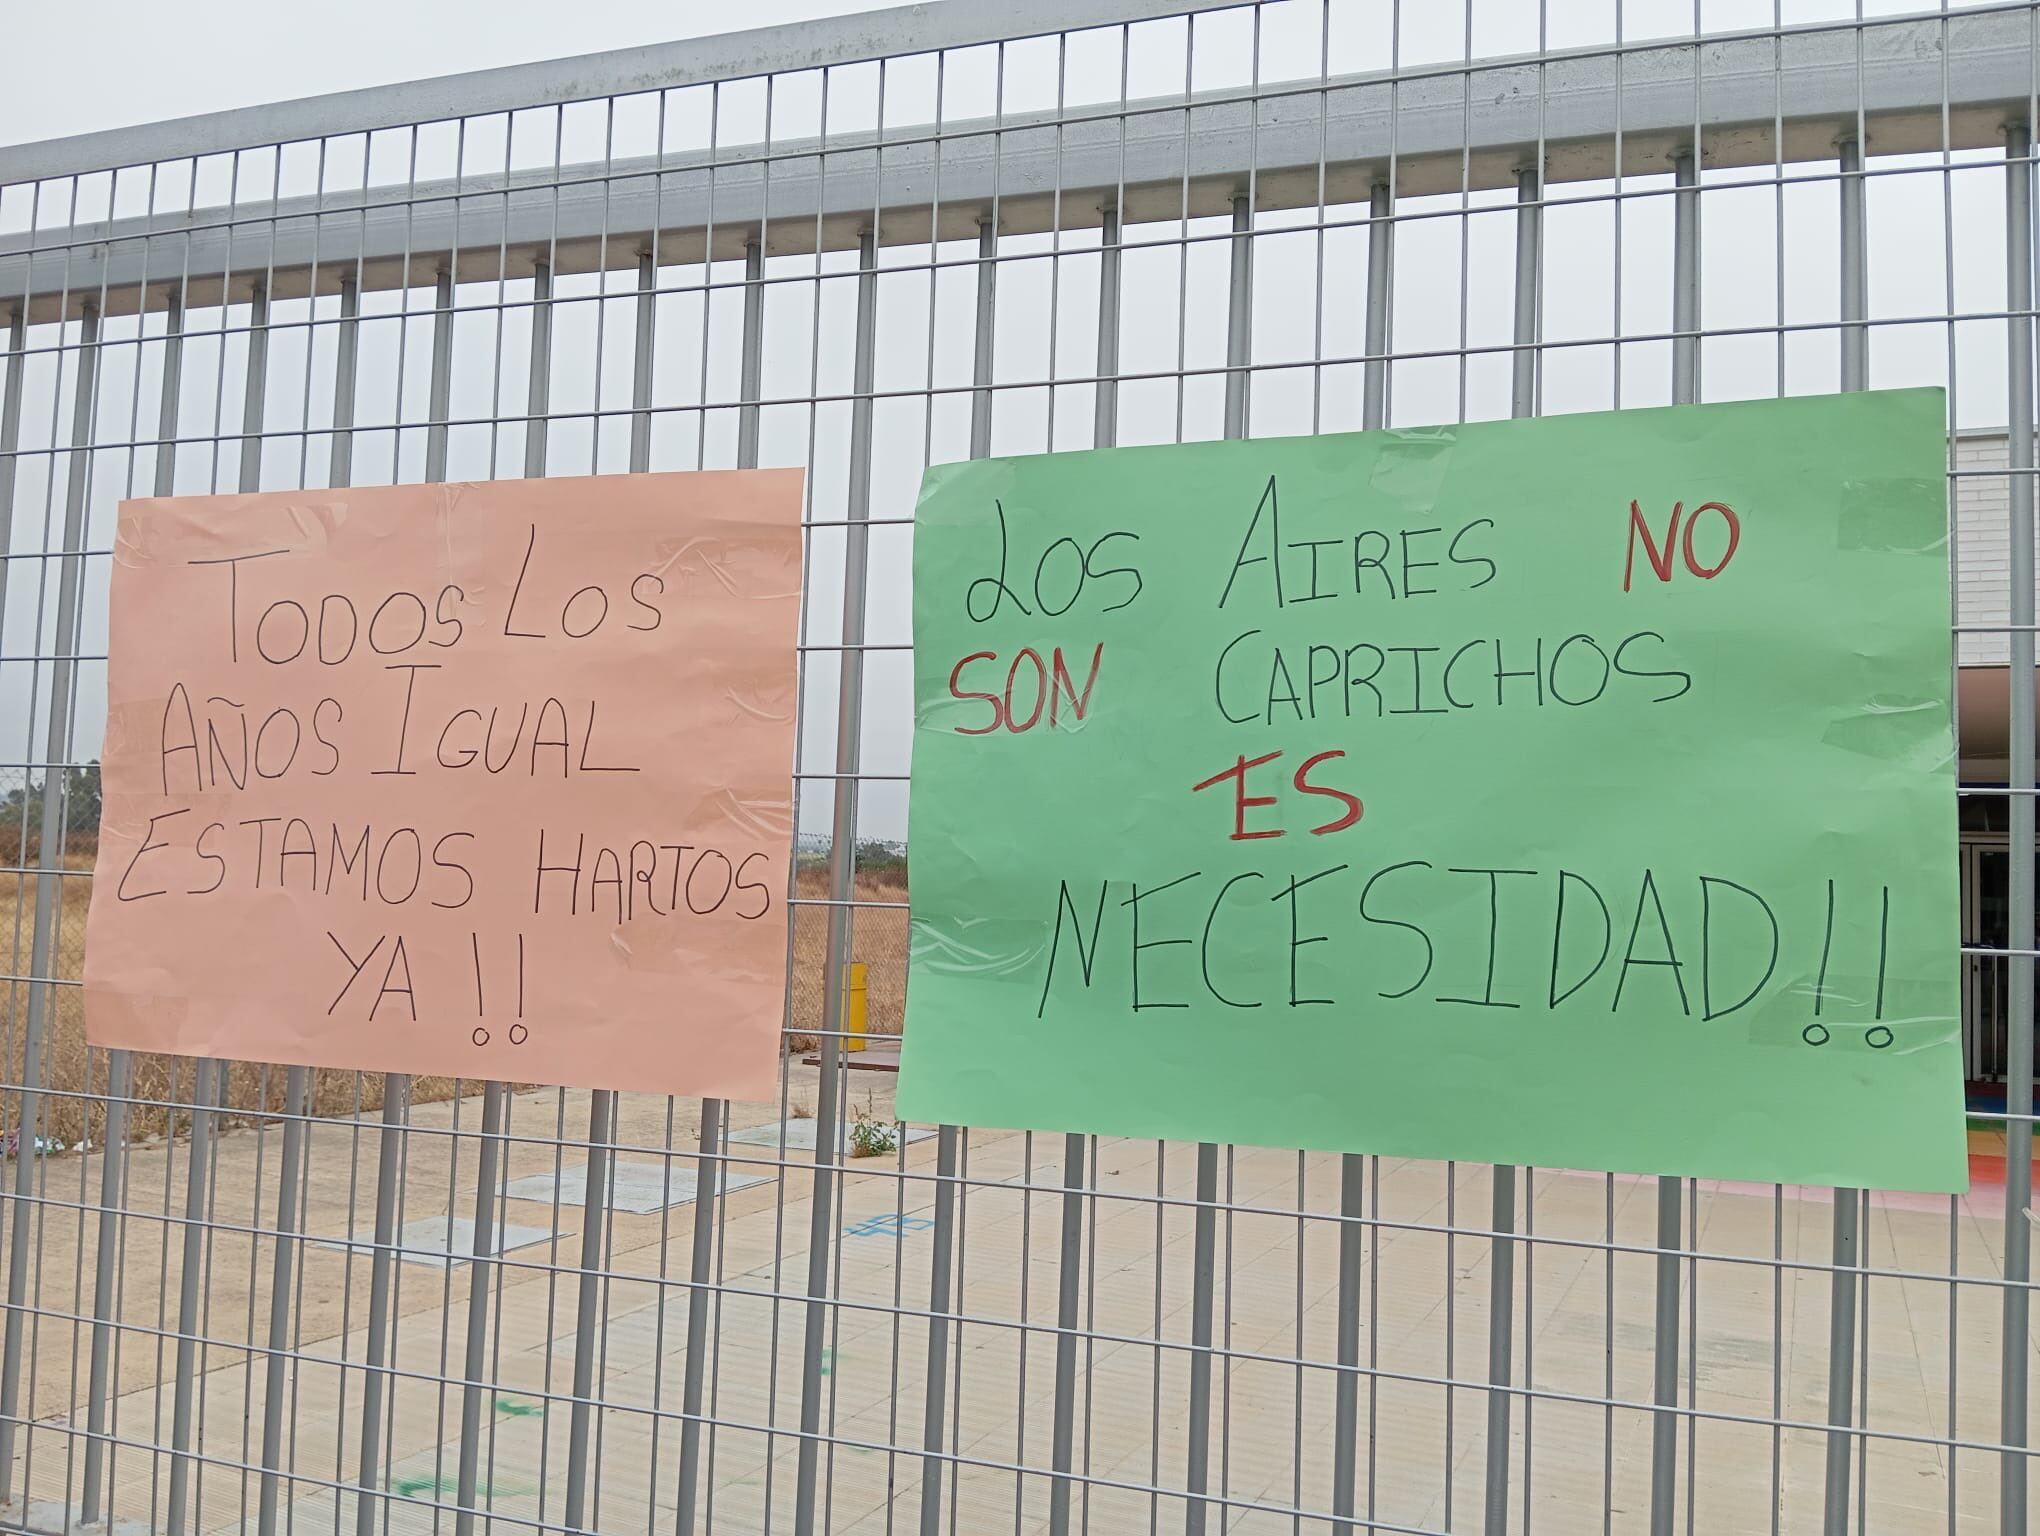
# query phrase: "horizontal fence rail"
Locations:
[[1753, 101]]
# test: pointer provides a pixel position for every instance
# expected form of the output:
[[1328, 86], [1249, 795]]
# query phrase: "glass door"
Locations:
[[1986, 923]]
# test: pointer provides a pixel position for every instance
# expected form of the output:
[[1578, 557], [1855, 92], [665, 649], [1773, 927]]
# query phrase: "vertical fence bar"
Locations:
[[588, 1305], [641, 366], [1847, 1202], [1204, 1232], [184, 1459], [113, 1141], [173, 390], [48, 886], [254, 397], [396, 1086], [475, 1393], [1841, 1359], [377, 1366], [538, 397], [1203, 1275], [1502, 1208], [1352, 1257], [10, 418], [297, 1080], [1352, 1166], [753, 363], [474, 1400], [439, 400], [1664, 1429], [588, 1309], [948, 1138], [113, 1153], [1105, 427], [1529, 242], [1239, 318], [1070, 1252], [939, 1301], [374, 1368], [1501, 1319], [1380, 262], [348, 351], [10, 439], [709, 1167], [2012, 1468], [708, 1176], [981, 364], [112, 1166], [842, 876], [1685, 280], [1068, 1314], [255, 394], [1855, 334]]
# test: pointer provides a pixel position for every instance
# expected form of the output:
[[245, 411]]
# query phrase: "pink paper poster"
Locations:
[[489, 780]]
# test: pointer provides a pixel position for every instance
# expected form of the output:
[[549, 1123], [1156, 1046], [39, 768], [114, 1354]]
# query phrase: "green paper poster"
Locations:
[[1575, 792]]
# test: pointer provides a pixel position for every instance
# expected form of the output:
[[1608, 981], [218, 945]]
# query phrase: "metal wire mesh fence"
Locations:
[[245, 1298]]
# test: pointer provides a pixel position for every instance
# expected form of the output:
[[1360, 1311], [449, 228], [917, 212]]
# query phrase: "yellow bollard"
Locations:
[[855, 1012]]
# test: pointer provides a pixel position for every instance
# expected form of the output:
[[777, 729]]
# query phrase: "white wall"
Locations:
[[1982, 545]]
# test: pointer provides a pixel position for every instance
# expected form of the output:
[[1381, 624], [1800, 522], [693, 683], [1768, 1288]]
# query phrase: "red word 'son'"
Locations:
[[1051, 684]]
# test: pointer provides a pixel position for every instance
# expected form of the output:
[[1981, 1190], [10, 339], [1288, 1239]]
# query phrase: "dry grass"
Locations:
[[878, 937], [76, 1076]]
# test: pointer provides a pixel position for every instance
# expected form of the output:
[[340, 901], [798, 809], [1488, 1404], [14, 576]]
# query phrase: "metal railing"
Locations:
[[253, 1299]]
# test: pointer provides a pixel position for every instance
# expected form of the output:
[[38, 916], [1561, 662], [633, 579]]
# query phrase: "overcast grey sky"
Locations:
[[142, 60]]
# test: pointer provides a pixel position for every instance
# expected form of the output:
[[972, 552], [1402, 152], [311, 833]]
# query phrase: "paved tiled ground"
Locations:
[[1755, 1349]]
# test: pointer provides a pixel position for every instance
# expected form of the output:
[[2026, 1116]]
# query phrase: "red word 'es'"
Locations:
[[1244, 802]]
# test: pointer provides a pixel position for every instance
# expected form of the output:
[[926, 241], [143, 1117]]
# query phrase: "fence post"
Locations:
[[48, 885], [341, 471], [1353, 1166], [113, 1151], [475, 1395], [939, 1307], [1068, 1299], [588, 1297], [538, 396], [10, 417], [948, 1137], [1502, 1209], [375, 1368], [198, 1166], [593, 1286], [439, 396], [1846, 1253], [377, 1362], [1070, 1254], [710, 1166], [104, 1274], [2020, 938], [842, 888], [255, 389], [1204, 1228], [1664, 1429]]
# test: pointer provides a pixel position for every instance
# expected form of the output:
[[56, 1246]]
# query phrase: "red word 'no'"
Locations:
[[1660, 555]]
